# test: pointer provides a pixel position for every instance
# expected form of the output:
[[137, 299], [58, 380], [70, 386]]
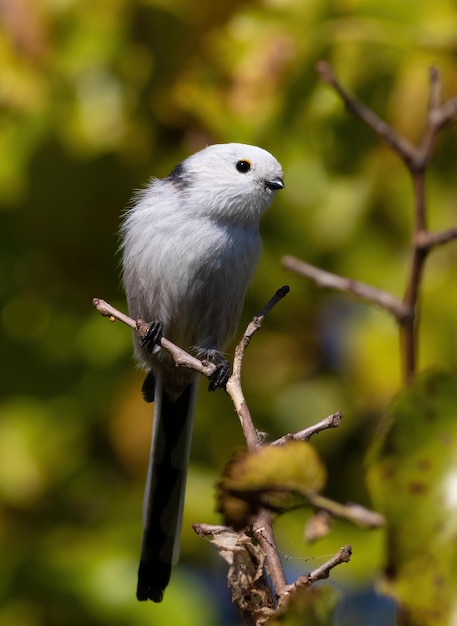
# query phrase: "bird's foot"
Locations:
[[221, 374], [152, 336]]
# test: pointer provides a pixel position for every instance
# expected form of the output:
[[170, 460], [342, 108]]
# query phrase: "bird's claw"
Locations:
[[152, 336], [218, 379]]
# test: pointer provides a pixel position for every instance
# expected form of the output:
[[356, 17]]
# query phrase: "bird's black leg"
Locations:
[[221, 374]]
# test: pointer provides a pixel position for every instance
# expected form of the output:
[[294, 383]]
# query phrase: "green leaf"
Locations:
[[276, 477]]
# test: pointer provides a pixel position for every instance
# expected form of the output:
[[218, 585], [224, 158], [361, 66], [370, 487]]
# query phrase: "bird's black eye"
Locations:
[[243, 166]]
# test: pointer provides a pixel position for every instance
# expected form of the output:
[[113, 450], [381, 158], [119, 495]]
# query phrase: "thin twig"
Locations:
[[105, 309], [323, 572], [205, 530], [180, 356], [233, 386], [430, 240], [398, 143], [351, 511], [331, 421], [446, 115], [322, 278], [320, 573], [253, 326]]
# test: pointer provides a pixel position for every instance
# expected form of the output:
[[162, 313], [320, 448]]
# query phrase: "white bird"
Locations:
[[190, 246]]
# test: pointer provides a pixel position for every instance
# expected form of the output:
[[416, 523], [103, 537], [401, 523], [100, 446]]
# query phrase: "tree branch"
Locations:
[[416, 159], [321, 573], [351, 511], [233, 386], [322, 278], [180, 356], [398, 143], [331, 421], [428, 240]]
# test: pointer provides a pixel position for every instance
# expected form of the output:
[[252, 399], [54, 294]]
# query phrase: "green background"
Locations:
[[96, 97]]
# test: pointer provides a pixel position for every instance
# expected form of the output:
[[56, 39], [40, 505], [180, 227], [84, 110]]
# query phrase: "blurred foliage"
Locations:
[[95, 97], [413, 475]]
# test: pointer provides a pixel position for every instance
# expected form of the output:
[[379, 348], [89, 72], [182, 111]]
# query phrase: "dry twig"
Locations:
[[323, 571], [322, 278], [180, 356], [331, 421], [233, 387]]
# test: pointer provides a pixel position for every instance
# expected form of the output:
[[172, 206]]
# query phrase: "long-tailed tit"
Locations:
[[190, 246]]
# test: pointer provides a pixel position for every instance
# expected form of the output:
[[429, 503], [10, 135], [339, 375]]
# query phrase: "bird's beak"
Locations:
[[275, 183]]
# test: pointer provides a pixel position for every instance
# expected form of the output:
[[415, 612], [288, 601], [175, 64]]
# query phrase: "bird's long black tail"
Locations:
[[165, 490]]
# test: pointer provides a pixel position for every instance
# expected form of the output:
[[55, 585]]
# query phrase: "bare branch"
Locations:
[[205, 530], [323, 572], [399, 144], [180, 356], [446, 115], [416, 158], [435, 90], [322, 278], [439, 114], [355, 513], [253, 327], [331, 421], [184, 359], [233, 386], [428, 240], [105, 309], [320, 573]]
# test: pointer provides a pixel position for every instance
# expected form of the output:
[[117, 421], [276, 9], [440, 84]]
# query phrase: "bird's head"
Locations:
[[233, 182]]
